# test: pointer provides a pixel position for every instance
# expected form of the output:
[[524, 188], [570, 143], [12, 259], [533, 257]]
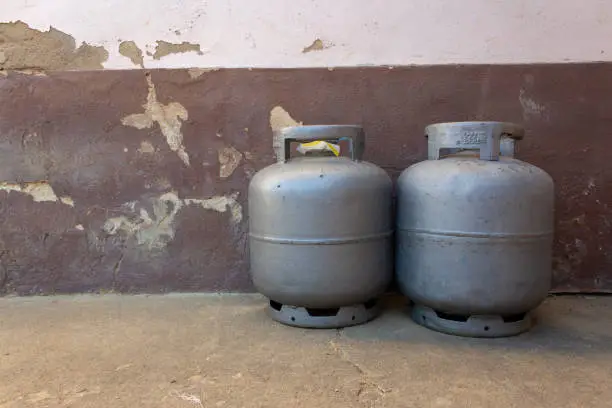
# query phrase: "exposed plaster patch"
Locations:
[[531, 108], [317, 45], [280, 118], [156, 230], [229, 160], [67, 200], [146, 147], [195, 73], [165, 48], [40, 191], [589, 187], [31, 72], [169, 117], [24, 48], [130, 50], [221, 204]]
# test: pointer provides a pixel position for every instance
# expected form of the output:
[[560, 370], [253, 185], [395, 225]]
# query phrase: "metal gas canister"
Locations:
[[320, 231], [474, 232]]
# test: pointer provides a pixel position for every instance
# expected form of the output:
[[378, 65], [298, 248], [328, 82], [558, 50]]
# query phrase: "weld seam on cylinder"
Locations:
[[460, 234], [326, 241]]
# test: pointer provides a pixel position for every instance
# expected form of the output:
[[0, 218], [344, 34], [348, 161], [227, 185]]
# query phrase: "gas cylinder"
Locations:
[[474, 232], [320, 231]]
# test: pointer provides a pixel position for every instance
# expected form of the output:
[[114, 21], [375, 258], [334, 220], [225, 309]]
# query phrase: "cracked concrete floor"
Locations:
[[222, 351]]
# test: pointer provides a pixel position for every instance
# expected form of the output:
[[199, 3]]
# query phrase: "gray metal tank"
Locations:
[[320, 232], [474, 232]]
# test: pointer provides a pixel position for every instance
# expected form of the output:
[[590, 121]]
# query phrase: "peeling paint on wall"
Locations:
[[151, 231], [155, 231], [531, 108], [165, 48], [195, 73], [40, 191], [67, 200], [229, 160], [23, 48], [32, 72], [130, 50], [317, 45], [169, 117], [280, 118], [221, 204], [146, 147]]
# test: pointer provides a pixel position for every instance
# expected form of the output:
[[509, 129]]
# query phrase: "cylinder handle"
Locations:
[[483, 136], [300, 134]]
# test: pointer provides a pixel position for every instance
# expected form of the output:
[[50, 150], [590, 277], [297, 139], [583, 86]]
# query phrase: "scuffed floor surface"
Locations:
[[222, 351]]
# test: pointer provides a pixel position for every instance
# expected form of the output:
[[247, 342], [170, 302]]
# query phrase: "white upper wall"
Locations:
[[274, 33]]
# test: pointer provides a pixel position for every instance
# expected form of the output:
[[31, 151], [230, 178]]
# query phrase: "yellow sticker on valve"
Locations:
[[322, 144]]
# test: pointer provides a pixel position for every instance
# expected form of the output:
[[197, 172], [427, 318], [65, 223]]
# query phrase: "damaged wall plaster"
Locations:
[[24, 48], [195, 73], [169, 117], [156, 230], [165, 48], [531, 108], [255, 34], [146, 147], [40, 191], [130, 50], [317, 45], [280, 118], [229, 160]]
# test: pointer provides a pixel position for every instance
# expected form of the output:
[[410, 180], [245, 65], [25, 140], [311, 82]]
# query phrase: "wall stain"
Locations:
[[169, 117], [165, 48], [24, 48], [195, 73], [229, 160], [317, 45], [146, 147], [130, 50], [154, 231], [280, 118], [40, 191], [531, 108], [31, 72]]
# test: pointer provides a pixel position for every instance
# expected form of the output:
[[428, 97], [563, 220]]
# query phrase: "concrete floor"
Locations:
[[222, 351]]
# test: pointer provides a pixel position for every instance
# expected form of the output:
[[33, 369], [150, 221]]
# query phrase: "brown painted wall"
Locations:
[[114, 213]]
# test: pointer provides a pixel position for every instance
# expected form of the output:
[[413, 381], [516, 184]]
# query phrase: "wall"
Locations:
[[278, 33], [129, 130]]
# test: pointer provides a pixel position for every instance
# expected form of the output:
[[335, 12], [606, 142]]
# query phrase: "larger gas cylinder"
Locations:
[[474, 232]]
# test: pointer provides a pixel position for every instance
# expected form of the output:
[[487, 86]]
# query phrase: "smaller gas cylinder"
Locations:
[[320, 230], [474, 232]]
